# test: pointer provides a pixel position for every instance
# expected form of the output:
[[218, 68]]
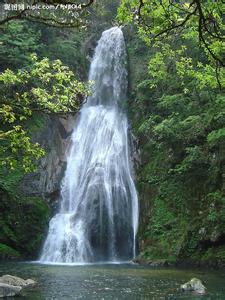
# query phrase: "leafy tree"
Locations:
[[158, 19], [45, 87], [18, 41], [178, 110]]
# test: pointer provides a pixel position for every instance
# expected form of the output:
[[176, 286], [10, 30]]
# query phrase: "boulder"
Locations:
[[16, 281], [194, 285], [30, 282], [158, 263], [7, 290]]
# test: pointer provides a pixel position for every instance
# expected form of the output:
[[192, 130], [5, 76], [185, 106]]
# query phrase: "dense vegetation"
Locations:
[[176, 108]]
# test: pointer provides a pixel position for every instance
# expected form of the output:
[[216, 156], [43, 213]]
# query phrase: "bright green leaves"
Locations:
[[7, 114], [45, 87], [125, 10], [205, 76], [187, 69], [9, 77], [157, 67], [159, 19], [17, 147], [216, 136]]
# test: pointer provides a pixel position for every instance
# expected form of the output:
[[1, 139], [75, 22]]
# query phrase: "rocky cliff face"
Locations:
[[55, 139]]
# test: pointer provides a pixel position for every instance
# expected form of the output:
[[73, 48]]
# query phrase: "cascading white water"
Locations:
[[98, 217]]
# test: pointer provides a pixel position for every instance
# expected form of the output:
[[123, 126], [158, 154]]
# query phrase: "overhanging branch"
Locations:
[[208, 29], [27, 14]]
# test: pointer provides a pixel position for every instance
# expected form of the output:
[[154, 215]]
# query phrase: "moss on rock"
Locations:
[[23, 222], [7, 252]]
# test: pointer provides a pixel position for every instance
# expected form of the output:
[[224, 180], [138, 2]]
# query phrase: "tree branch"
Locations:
[[24, 14], [203, 27], [201, 36]]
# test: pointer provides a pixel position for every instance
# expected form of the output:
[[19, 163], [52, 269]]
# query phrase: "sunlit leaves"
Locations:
[[157, 20], [157, 67], [7, 114], [45, 87]]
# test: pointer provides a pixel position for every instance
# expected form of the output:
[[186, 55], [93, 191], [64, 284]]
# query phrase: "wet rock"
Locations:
[[16, 281], [158, 263], [54, 137], [153, 263], [215, 235], [30, 282], [202, 233], [194, 285], [7, 290]]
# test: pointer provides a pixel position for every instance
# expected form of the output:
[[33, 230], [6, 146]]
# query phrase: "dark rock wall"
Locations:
[[55, 139]]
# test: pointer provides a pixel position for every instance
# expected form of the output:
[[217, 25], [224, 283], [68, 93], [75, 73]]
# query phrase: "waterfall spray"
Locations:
[[98, 215]]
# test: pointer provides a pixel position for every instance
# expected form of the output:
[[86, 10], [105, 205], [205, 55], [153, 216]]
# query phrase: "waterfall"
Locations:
[[98, 215]]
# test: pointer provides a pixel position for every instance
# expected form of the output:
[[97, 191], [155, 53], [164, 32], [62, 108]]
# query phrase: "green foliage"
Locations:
[[198, 20], [177, 110], [36, 123], [216, 136], [10, 179], [214, 255], [23, 222], [47, 87], [18, 41], [164, 235], [214, 213], [7, 252], [66, 45]]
